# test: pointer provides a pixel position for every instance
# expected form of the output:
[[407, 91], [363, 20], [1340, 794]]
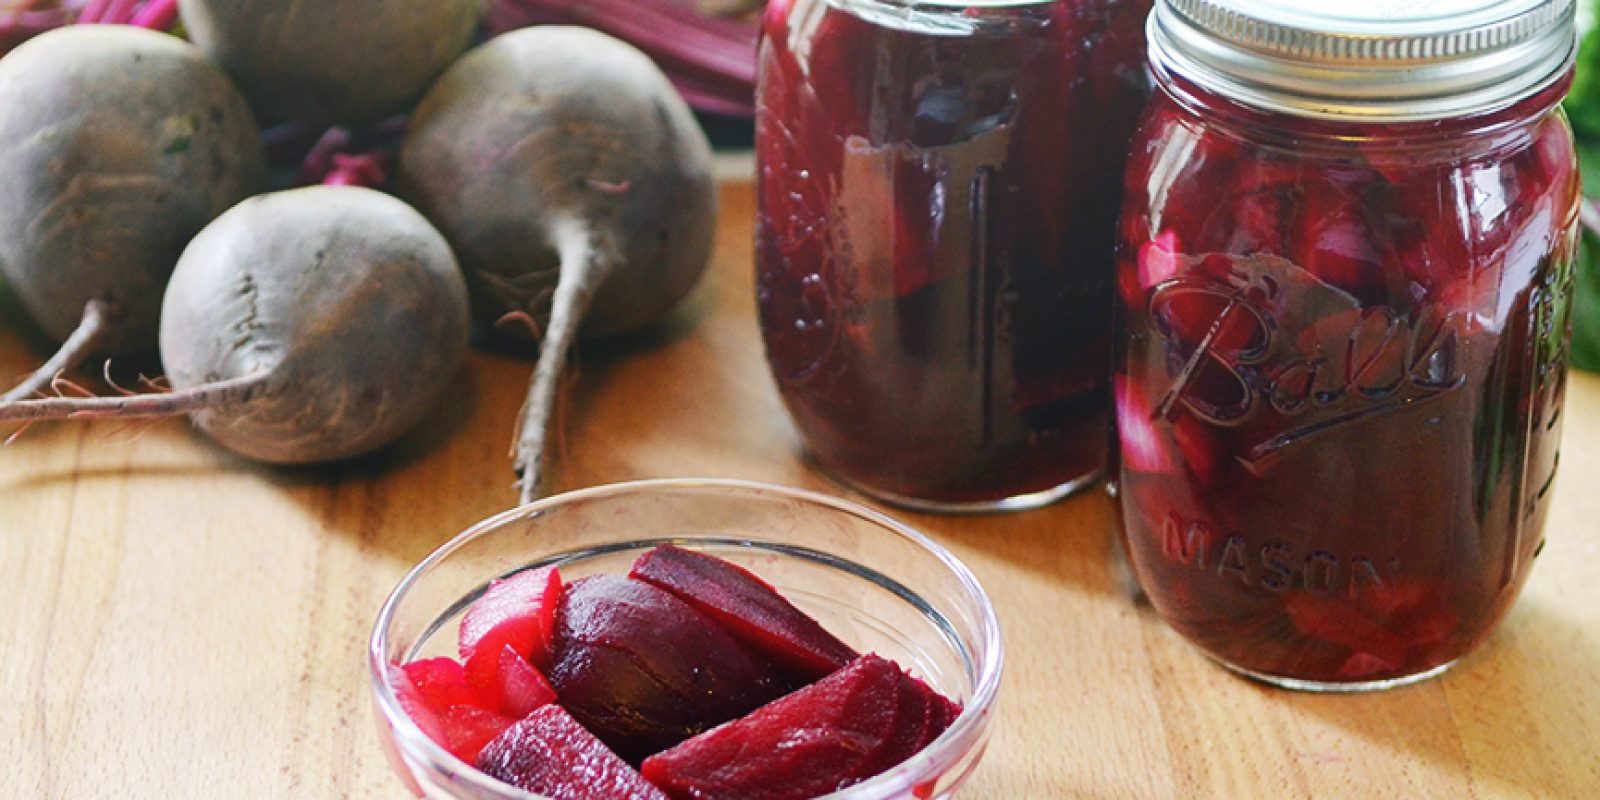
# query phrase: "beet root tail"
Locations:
[[167, 404], [584, 267], [99, 322]]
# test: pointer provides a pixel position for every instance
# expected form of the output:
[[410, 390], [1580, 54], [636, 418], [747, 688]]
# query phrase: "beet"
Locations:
[[747, 607], [833, 734], [505, 682], [117, 145], [574, 185], [305, 326], [551, 755], [644, 670], [518, 611], [332, 61]]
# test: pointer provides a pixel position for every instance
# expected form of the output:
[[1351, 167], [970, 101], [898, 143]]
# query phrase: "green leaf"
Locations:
[[1583, 102], [1586, 306], [1583, 107]]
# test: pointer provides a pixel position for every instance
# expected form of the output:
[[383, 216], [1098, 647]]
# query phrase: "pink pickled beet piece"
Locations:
[[643, 670], [1142, 447], [815, 741], [1388, 624], [506, 682], [517, 611], [1158, 260], [467, 729], [415, 705], [749, 608], [551, 755], [441, 683]]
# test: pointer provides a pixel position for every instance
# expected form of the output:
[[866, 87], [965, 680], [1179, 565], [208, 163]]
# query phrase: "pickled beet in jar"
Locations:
[[1344, 281], [938, 189]]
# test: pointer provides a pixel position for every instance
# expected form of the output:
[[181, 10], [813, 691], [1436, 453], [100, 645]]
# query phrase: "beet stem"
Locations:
[[235, 391], [585, 263], [158, 15], [99, 319]]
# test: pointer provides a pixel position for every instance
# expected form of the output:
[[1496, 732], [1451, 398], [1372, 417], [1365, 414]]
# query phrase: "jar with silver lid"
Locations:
[[1344, 280]]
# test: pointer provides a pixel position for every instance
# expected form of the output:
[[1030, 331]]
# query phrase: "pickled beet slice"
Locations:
[[1158, 260], [818, 740], [440, 683], [517, 611], [506, 682], [551, 755], [1332, 239], [1385, 630], [1142, 447], [913, 714], [942, 713], [467, 729], [643, 670], [749, 608], [415, 705]]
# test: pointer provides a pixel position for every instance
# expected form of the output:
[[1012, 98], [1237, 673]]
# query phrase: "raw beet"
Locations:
[[747, 607], [937, 215], [644, 670], [1338, 393], [553, 756], [519, 612], [839, 731]]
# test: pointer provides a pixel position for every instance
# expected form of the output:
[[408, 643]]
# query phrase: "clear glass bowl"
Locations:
[[872, 581]]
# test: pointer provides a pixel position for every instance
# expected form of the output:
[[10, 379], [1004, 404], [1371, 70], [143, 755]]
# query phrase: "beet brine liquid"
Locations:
[[938, 191], [1345, 283]]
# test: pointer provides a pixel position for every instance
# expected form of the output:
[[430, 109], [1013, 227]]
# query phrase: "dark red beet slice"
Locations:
[[506, 682], [818, 740], [644, 670], [551, 755], [468, 728], [749, 608], [517, 611], [441, 683], [942, 713], [912, 717]]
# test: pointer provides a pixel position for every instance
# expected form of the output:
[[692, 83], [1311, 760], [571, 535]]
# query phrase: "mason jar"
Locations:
[[938, 191], [1345, 278]]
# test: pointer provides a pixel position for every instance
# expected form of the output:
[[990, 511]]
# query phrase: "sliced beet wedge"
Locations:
[[518, 611], [506, 682], [749, 608], [441, 683], [467, 729], [551, 755], [643, 670], [825, 737]]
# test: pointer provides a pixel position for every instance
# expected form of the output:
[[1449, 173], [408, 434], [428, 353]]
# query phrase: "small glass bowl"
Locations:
[[872, 581]]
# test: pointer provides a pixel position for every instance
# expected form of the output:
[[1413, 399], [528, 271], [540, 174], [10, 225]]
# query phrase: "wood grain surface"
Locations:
[[180, 624]]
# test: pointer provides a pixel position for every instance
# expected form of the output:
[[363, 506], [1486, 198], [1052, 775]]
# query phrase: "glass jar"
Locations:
[[938, 189], [1345, 275]]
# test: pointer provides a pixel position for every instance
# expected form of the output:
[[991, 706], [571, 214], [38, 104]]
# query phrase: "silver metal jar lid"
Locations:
[[1376, 60]]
